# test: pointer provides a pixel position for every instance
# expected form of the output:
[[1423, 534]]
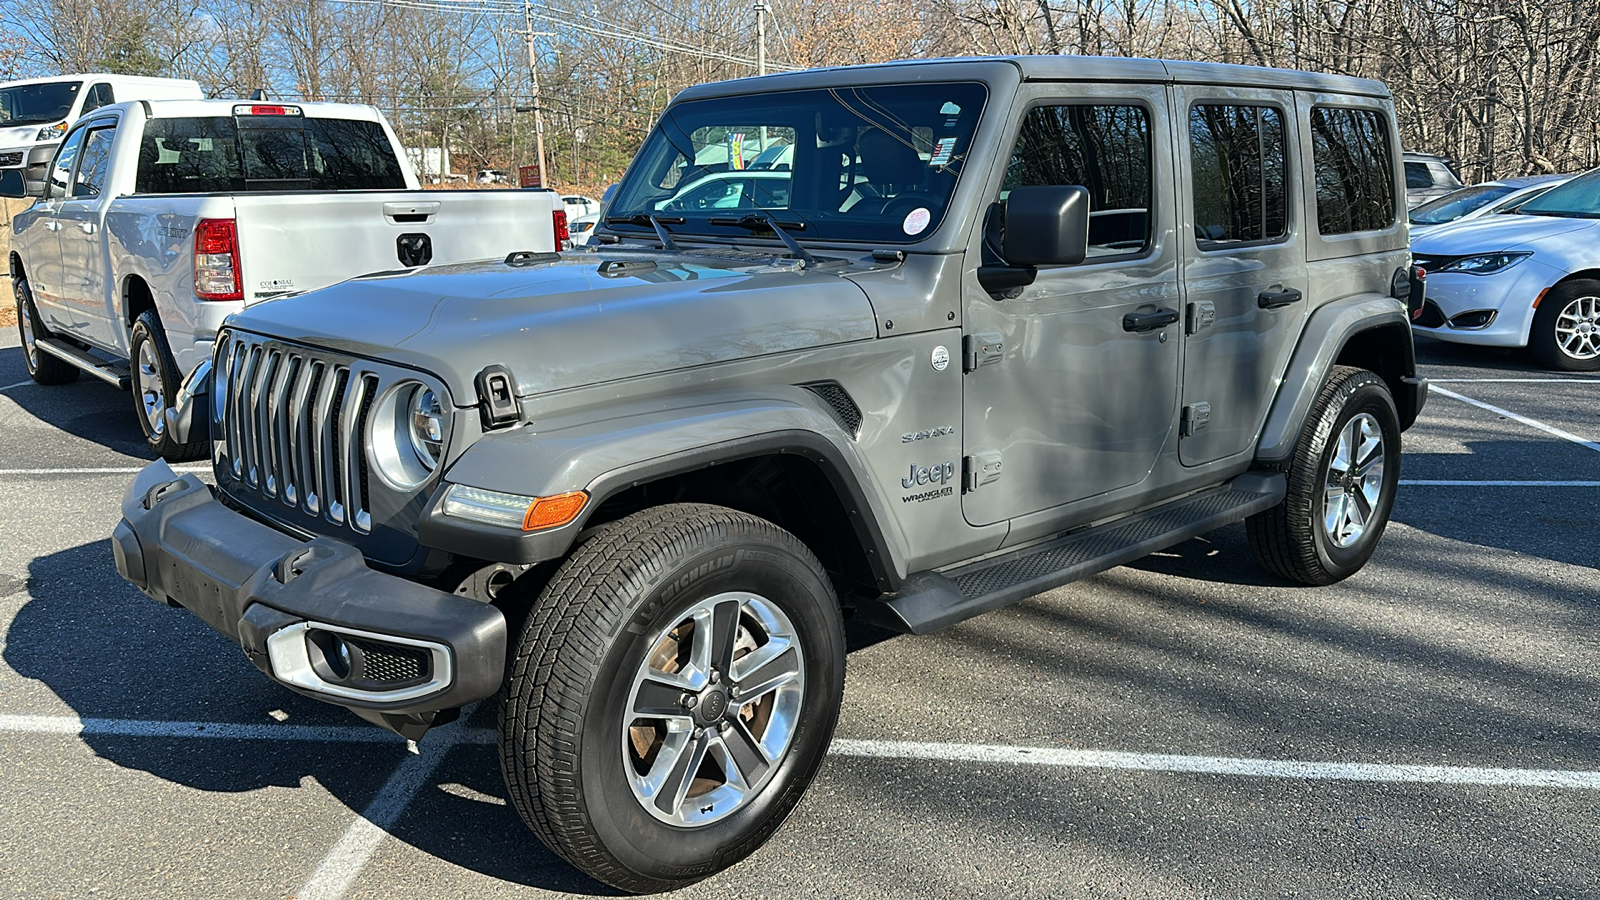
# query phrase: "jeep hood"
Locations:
[[1492, 234], [582, 320]]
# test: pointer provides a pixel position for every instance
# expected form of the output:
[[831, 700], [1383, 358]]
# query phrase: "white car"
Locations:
[[1520, 279], [1480, 200], [581, 229], [36, 112], [578, 205]]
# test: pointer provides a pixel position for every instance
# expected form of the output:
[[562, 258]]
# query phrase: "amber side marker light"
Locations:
[[553, 512]]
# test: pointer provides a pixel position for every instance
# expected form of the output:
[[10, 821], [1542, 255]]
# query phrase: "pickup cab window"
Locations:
[[61, 167], [218, 154], [875, 163], [96, 162]]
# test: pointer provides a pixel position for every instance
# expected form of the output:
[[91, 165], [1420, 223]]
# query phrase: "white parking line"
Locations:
[[17, 385], [1531, 423], [453, 735], [1431, 482], [1576, 379], [345, 861], [109, 470]]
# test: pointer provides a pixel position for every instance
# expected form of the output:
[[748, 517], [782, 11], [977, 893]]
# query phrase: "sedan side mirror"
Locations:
[[12, 184]]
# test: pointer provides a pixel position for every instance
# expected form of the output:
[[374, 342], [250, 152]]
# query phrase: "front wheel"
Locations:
[[155, 381], [42, 367], [673, 694], [1342, 482], [1566, 329]]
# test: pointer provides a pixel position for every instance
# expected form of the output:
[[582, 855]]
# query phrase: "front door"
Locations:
[[1244, 262], [83, 264], [1083, 395], [46, 275]]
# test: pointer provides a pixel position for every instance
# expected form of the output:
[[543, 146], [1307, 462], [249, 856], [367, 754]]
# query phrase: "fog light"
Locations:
[[1478, 318]]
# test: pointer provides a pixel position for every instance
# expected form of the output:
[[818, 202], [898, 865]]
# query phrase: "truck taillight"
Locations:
[[216, 260], [563, 236]]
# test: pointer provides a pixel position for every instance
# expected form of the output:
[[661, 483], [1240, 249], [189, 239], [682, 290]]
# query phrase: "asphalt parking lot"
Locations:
[[1184, 727]]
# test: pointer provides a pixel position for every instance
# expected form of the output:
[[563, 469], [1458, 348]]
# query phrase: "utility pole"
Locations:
[[533, 72], [761, 9]]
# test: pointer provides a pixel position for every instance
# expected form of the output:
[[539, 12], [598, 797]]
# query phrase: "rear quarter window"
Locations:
[[1352, 157]]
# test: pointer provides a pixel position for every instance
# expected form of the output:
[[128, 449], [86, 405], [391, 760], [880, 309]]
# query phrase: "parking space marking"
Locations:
[[442, 739], [345, 861], [109, 470], [17, 385], [1577, 379], [1435, 482], [1223, 765], [1531, 423]]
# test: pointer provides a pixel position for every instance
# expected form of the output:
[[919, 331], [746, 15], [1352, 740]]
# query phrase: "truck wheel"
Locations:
[[1566, 329], [673, 693], [1342, 483], [155, 381], [42, 367]]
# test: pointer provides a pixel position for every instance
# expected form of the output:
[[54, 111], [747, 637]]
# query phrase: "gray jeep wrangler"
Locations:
[[905, 342]]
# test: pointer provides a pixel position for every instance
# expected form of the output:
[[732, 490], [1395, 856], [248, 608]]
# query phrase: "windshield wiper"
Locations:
[[659, 223], [767, 223]]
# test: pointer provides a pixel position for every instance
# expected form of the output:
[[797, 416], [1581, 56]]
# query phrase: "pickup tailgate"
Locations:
[[301, 241]]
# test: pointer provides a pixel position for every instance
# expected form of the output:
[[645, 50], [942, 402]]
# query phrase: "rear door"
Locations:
[[1244, 262]]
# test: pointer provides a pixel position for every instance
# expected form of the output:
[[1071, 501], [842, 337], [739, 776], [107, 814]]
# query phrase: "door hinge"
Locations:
[[1196, 416], [1202, 314], [981, 350], [979, 469]]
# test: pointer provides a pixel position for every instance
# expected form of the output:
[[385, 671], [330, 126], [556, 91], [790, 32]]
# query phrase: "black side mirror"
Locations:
[[1047, 226], [1044, 226], [12, 184]]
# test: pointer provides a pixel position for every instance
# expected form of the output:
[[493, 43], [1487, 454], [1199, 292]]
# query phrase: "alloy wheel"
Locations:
[[1354, 481], [1578, 328], [152, 390]]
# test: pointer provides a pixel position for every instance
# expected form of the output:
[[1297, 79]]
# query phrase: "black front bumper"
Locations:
[[267, 591]]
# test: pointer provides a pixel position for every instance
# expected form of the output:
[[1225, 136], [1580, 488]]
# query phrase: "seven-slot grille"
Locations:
[[293, 423]]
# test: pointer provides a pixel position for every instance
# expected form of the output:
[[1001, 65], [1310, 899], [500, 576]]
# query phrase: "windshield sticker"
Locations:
[[949, 109], [917, 220], [736, 150], [943, 149]]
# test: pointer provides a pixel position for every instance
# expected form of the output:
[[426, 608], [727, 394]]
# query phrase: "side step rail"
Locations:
[[932, 600], [109, 372]]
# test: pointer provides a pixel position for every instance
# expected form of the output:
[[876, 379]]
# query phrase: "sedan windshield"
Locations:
[[37, 104], [872, 164], [1577, 199], [1454, 205]]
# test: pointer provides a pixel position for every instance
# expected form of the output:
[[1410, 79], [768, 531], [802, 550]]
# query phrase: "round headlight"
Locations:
[[407, 434], [427, 426]]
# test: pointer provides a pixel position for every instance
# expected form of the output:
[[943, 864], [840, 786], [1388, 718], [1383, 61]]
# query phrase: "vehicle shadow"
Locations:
[[87, 408]]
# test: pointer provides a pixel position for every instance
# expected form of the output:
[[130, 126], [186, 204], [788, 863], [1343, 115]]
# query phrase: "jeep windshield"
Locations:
[[872, 164], [37, 104], [1577, 199]]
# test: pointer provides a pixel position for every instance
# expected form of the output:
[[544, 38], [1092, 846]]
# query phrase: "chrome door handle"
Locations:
[[52, 225], [86, 227]]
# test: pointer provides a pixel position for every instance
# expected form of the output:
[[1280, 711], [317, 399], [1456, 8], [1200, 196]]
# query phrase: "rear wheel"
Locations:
[[1342, 482], [155, 380], [1566, 329], [673, 694], [42, 367]]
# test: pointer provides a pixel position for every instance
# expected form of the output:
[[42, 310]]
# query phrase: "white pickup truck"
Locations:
[[158, 219]]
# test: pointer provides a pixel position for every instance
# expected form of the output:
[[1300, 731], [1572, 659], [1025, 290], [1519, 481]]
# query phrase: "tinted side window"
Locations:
[[99, 95], [1355, 190], [1106, 149], [1239, 166], [61, 168], [96, 164], [1417, 175]]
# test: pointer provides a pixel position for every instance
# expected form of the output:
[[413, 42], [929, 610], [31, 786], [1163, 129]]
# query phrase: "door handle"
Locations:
[[52, 225], [1275, 299], [1140, 322], [86, 227]]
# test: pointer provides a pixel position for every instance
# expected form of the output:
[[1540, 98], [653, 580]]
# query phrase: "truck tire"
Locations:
[[154, 379], [672, 695], [1342, 482], [42, 367], [1566, 329]]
